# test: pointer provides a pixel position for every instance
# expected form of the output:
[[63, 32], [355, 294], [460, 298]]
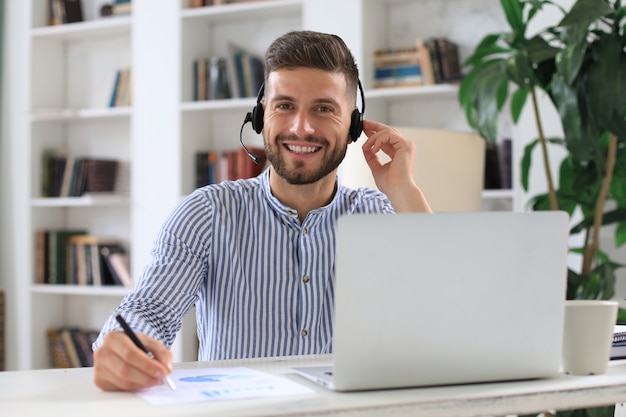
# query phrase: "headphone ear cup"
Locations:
[[257, 118], [356, 125]]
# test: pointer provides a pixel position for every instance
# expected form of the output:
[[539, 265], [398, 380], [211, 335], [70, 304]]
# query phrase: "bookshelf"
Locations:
[[68, 76]]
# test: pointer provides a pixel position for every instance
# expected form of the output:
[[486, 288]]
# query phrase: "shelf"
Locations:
[[83, 201], [112, 291], [48, 115], [440, 90], [81, 30], [256, 10], [215, 105]]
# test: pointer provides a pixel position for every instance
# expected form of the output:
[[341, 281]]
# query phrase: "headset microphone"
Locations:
[[255, 158]]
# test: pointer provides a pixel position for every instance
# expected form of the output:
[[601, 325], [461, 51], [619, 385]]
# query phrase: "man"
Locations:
[[256, 256]]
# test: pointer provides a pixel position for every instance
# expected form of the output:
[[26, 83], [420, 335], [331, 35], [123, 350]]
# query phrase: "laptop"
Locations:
[[447, 298]]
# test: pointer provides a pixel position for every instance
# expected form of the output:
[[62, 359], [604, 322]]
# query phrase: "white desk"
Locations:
[[71, 392]]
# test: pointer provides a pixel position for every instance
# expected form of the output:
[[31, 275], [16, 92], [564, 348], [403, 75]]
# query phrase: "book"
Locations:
[[397, 67], [121, 93], [449, 60], [117, 265], [218, 86], [101, 175], [53, 167], [55, 15], [41, 256], [426, 64], [56, 347], [207, 168], [83, 339], [64, 11], [70, 347], [201, 92], [58, 254], [65, 334], [245, 72], [72, 11], [444, 56], [116, 86], [122, 8]]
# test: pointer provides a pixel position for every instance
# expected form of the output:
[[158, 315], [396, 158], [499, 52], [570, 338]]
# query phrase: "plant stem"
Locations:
[[592, 247], [554, 204]]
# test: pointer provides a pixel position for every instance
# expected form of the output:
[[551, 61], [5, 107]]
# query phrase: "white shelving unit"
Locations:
[[70, 71], [70, 74]]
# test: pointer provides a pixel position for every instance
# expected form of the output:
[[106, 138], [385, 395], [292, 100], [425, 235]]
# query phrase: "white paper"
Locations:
[[214, 384]]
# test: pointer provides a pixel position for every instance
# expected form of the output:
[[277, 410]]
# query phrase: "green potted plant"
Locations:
[[580, 64]]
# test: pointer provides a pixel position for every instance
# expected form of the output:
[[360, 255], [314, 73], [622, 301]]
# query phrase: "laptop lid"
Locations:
[[448, 298]]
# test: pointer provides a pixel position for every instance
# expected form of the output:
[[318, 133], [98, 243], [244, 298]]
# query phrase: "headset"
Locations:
[[256, 118]]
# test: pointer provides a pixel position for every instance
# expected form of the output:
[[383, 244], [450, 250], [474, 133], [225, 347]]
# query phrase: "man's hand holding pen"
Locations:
[[122, 366]]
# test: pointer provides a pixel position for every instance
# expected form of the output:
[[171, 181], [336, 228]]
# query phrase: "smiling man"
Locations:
[[256, 256]]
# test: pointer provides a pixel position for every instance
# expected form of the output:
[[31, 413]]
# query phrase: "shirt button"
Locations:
[[306, 279], [304, 333], [305, 231], [290, 213]]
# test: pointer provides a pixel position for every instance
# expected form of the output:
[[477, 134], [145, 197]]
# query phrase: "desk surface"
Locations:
[[71, 392]]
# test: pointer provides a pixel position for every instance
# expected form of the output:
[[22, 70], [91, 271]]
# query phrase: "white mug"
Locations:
[[588, 335]]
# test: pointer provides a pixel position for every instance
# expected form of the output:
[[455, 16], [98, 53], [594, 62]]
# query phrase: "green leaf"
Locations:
[[487, 49], [606, 411], [526, 161], [566, 103], [583, 12], [605, 85], [513, 11], [465, 90], [570, 59], [539, 50], [517, 103], [606, 270], [573, 282], [485, 95], [620, 234], [518, 68], [613, 216]]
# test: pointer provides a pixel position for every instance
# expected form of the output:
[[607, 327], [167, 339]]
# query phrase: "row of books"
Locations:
[[70, 347], [237, 76], [73, 256], [213, 167], [121, 93], [433, 61], [210, 79], [64, 175], [64, 11]]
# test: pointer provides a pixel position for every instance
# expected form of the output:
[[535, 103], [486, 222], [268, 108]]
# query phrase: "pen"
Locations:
[[130, 333]]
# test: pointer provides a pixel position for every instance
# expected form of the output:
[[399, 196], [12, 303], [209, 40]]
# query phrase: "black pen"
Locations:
[[130, 333]]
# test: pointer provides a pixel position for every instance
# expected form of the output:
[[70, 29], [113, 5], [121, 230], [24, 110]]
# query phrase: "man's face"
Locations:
[[307, 118]]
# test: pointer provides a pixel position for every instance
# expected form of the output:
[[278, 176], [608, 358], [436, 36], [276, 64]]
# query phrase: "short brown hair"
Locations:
[[312, 50]]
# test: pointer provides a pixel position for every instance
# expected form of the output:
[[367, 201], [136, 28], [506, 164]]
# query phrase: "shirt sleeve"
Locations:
[[168, 286]]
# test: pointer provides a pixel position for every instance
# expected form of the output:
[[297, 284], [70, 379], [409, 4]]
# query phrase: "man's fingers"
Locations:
[[119, 365]]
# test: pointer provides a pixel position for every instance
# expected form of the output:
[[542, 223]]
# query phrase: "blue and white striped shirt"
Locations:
[[262, 281]]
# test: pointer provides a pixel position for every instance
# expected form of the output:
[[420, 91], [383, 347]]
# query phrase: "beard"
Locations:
[[299, 174]]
